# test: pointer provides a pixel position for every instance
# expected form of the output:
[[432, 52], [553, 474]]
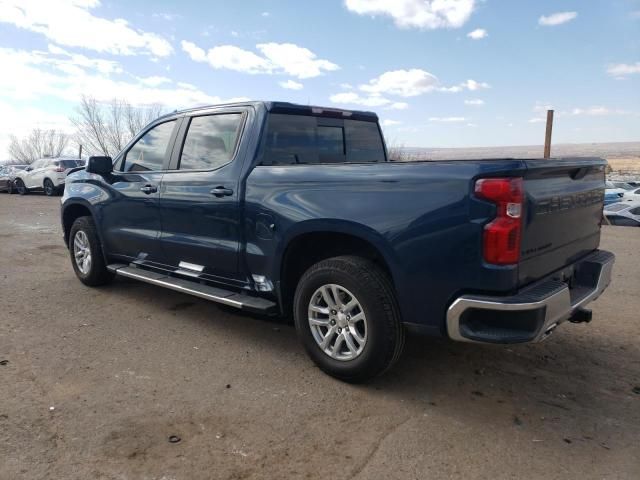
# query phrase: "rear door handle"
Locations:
[[148, 189], [221, 192]]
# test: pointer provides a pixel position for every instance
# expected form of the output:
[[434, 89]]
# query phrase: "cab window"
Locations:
[[210, 141]]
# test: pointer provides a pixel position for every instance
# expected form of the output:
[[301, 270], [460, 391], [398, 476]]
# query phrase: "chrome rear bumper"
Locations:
[[533, 313]]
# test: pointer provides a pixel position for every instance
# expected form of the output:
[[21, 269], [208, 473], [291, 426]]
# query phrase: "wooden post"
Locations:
[[547, 136]]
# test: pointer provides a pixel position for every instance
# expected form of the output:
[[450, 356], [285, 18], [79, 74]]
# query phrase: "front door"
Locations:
[[131, 219], [34, 172], [199, 200]]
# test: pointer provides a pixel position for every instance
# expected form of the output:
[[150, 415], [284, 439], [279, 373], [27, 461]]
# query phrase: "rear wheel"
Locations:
[[11, 188], [347, 318], [49, 189], [21, 187], [86, 253]]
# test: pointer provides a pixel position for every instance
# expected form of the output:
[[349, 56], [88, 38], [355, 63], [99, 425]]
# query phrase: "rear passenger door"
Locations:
[[200, 197]]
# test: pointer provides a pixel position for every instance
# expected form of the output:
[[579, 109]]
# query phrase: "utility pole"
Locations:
[[547, 136], [80, 152]]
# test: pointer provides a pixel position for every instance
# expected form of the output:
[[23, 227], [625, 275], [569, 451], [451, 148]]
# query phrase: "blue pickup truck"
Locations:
[[285, 209]]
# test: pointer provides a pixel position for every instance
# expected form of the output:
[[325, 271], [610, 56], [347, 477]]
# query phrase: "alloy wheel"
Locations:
[[338, 322]]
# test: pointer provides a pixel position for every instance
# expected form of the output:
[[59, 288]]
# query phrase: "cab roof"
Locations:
[[295, 109]]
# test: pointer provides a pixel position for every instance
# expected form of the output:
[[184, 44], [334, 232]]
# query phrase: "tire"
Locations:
[[49, 188], [96, 272], [379, 344], [10, 188], [20, 187]]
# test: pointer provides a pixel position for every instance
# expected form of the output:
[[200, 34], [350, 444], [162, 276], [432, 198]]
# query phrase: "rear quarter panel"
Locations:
[[420, 216]]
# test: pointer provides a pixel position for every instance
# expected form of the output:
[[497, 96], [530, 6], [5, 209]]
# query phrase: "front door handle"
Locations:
[[221, 192], [148, 189]]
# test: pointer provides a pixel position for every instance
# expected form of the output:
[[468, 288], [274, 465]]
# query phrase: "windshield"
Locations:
[[624, 185]]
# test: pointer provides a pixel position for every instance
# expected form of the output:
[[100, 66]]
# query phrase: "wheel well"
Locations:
[[70, 214], [310, 248]]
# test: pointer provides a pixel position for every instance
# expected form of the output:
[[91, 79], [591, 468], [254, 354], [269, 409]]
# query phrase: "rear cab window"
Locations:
[[211, 141], [291, 139]]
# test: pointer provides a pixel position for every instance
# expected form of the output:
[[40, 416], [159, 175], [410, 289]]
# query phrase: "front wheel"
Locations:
[[86, 253], [21, 187], [347, 318]]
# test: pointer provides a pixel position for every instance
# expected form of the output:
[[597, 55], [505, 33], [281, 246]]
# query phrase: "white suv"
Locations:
[[46, 174]]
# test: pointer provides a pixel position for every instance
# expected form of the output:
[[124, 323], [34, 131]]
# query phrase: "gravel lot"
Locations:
[[93, 382]]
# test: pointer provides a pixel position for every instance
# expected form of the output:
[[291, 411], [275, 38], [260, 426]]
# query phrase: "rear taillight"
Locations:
[[501, 240], [59, 169]]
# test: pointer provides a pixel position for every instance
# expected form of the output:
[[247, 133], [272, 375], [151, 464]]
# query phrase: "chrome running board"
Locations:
[[214, 294]]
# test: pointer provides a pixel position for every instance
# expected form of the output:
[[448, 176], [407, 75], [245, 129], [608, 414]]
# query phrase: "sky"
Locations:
[[439, 73]]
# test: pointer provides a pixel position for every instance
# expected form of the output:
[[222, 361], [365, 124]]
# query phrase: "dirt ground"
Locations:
[[93, 382]]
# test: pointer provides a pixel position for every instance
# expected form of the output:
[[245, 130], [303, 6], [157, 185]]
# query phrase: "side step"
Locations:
[[233, 299]]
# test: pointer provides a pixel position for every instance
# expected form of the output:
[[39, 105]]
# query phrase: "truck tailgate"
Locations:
[[564, 199]]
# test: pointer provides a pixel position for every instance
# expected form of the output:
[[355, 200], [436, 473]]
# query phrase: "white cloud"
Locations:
[[70, 23], [475, 102], [470, 85], [478, 33], [472, 125], [154, 81], [296, 61], [448, 119], [352, 98], [291, 85], [537, 120], [196, 53], [404, 83], [424, 14], [346, 86], [556, 18], [278, 58], [265, 14], [169, 17], [623, 69], [390, 123], [38, 74], [596, 111], [398, 106]]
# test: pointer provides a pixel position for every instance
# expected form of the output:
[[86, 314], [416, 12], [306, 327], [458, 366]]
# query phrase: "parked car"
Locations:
[[7, 177], [612, 197], [623, 185], [623, 214], [46, 174], [285, 209], [631, 195]]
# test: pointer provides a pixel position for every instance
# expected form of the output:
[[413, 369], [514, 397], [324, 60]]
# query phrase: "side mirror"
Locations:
[[100, 165]]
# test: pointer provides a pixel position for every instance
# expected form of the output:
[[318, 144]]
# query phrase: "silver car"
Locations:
[[624, 214], [7, 177]]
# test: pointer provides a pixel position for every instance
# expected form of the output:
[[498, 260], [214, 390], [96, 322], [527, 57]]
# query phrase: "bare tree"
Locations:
[[399, 153], [105, 128], [38, 144]]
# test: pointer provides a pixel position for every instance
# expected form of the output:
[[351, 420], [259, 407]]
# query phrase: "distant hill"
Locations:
[[627, 151]]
